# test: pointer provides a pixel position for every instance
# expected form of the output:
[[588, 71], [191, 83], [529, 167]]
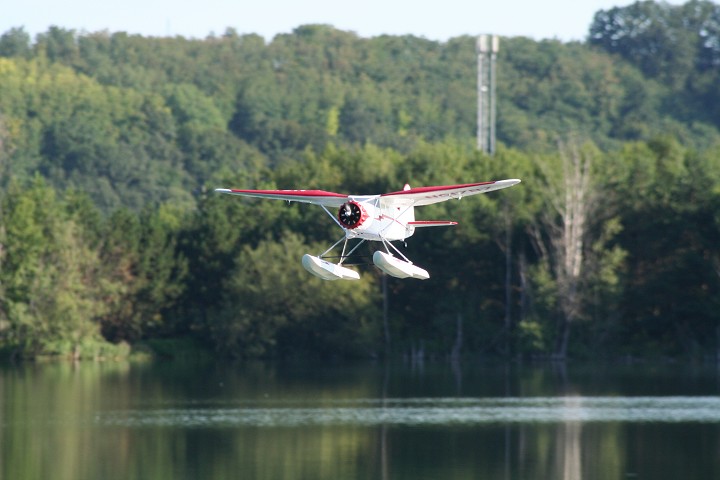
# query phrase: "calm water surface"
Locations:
[[431, 421]]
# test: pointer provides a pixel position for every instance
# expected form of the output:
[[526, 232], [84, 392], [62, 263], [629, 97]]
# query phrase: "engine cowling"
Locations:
[[351, 215]]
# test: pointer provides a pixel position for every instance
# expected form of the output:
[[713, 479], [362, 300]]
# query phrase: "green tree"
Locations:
[[668, 197], [58, 44], [649, 35], [52, 287], [15, 43], [141, 258], [271, 305]]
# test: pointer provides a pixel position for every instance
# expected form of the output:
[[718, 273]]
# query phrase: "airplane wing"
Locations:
[[317, 197], [420, 196]]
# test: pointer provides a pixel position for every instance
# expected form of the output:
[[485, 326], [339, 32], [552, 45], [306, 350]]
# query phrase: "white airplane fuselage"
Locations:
[[371, 220]]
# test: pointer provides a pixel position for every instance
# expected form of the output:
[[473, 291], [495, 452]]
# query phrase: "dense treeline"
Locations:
[[110, 145]]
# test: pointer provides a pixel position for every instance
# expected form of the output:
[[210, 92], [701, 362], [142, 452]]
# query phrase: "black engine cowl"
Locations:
[[351, 215]]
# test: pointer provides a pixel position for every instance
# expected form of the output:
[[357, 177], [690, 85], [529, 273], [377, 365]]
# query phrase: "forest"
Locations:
[[112, 240]]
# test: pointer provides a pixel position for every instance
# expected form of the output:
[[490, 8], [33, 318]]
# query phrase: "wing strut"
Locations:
[[386, 243], [336, 221], [343, 256], [334, 245]]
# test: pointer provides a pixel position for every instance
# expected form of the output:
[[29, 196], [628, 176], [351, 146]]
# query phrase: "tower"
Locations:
[[487, 47]]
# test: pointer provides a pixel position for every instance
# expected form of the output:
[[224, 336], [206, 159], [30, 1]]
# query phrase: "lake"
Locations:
[[179, 420]]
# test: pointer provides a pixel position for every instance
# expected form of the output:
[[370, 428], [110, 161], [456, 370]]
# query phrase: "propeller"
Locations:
[[350, 215]]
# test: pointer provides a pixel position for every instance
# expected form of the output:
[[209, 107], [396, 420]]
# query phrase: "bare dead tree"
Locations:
[[561, 235]]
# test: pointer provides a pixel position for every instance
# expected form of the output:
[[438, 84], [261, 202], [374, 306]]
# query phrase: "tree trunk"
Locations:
[[455, 354], [563, 339]]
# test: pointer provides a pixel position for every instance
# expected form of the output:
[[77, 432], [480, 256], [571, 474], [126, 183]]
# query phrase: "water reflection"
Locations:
[[570, 411], [168, 421], [569, 439]]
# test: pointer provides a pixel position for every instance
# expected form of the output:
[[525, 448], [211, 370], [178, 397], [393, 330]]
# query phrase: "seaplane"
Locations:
[[383, 218]]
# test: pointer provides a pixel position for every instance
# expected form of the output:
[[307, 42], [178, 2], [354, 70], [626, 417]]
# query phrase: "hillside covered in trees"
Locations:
[[111, 144]]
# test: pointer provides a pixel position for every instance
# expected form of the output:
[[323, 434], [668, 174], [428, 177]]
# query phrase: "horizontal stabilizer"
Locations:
[[432, 223]]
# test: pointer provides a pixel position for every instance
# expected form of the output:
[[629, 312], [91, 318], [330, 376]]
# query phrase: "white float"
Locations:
[[398, 268], [326, 270]]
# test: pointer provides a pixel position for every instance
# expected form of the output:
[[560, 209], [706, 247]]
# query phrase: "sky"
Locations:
[[438, 20]]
